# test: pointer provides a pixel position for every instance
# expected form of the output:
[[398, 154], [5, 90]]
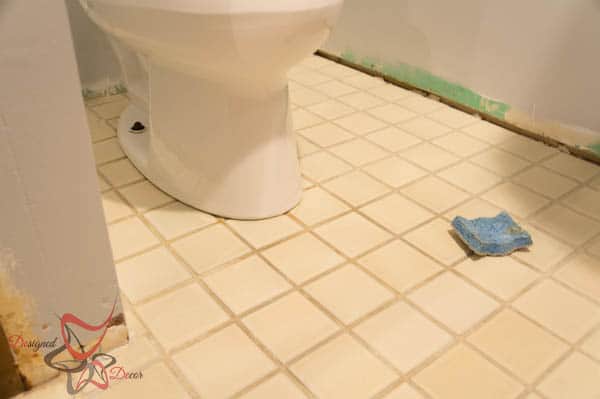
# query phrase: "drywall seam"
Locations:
[[579, 141]]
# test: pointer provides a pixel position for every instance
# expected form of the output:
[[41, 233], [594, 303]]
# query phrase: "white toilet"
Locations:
[[207, 79]]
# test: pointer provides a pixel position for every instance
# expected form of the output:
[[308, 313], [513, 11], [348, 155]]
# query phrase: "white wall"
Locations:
[[542, 57], [98, 65], [55, 256]]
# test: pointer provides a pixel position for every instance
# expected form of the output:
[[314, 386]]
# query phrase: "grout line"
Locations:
[[398, 295]]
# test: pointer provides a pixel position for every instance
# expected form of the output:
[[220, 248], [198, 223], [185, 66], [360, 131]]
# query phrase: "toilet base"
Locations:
[[257, 186]]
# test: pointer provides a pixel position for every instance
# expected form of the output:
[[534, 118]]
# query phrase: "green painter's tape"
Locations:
[[595, 148], [424, 80]]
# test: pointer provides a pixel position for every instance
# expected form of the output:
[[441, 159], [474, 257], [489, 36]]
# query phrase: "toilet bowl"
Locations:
[[207, 80]]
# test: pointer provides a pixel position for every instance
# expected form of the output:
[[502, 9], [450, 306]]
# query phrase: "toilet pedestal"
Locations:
[[223, 147]]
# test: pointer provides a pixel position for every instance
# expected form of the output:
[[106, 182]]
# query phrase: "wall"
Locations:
[[98, 65], [536, 62], [55, 256]]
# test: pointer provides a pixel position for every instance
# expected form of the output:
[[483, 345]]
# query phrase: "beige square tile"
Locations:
[[305, 147], [326, 134], [322, 166], [567, 225], [114, 207], [429, 156], [107, 150], [436, 240], [424, 128], [515, 199], [343, 368], [264, 232], [331, 109], [318, 205], [334, 88], [545, 251], [352, 234], [562, 311], [302, 257], [150, 273], [102, 184], [576, 377], [134, 326], [404, 391], [157, 382], [130, 236], [454, 302], [592, 345], [144, 196], [392, 113], [396, 213], [246, 284], [594, 247], [278, 387], [463, 373], [137, 354], [210, 247], [301, 119], [435, 194], [177, 219], [339, 71], [393, 139], [356, 187], [316, 61], [452, 117], [99, 129], [360, 123], [120, 172], [472, 209], [399, 265], [359, 152], [585, 200], [421, 338], [290, 326], [390, 92], [361, 100], [503, 276], [488, 132], [470, 177], [575, 168], [394, 171], [595, 183], [421, 104], [460, 144], [113, 123], [182, 315], [544, 182], [337, 292], [363, 81], [111, 109], [305, 97], [307, 77], [582, 273], [527, 148], [500, 162], [223, 364], [518, 344]]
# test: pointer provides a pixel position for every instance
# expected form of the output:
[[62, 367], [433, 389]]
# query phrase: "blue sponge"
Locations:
[[495, 236]]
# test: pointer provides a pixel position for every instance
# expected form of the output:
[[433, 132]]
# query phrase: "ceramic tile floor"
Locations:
[[362, 291]]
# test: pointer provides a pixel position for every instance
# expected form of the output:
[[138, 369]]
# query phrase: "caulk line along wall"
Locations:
[[533, 64]]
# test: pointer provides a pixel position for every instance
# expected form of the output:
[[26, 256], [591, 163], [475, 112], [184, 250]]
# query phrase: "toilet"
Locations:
[[209, 118]]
